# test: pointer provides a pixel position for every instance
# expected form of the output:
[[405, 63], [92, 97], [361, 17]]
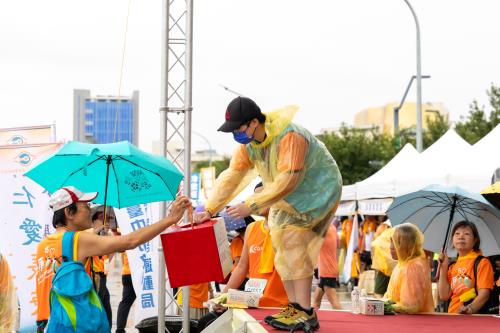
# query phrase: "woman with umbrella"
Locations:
[[410, 285], [468, 290]]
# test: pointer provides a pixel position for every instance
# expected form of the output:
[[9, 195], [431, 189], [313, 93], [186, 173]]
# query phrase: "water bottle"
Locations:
[[355, 295], [362, 299], [363, 294]]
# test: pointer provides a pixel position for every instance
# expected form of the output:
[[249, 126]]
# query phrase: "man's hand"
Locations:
[[178, 207], [239, 211], [201, 217]]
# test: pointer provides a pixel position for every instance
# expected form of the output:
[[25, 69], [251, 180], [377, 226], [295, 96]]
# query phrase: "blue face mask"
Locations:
[[242, 137]]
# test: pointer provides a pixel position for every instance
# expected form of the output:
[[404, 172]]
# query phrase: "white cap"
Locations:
[[387, 223], [67, 195]]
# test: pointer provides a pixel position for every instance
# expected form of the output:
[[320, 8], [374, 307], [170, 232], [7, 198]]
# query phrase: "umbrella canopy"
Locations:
[[123, 174], [435, 209], [492, 194]]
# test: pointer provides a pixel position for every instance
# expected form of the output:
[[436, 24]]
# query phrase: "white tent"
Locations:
[[382, 183], [434, 164], [475, 173]]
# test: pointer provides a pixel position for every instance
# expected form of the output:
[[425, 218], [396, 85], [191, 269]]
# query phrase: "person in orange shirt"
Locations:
[[256, 262], [457, 281], [128, 296], [72, 213], [328, 271], [198, 294], [236, 247]]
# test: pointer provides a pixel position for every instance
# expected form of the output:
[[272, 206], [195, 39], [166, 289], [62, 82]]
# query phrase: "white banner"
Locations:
[[25, 220], [374, 206], [144, 261], [353, 246], [346, 208], [27, 135]]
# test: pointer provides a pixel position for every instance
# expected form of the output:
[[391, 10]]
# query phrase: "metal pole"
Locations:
[[163, 143], [231, 90], [419, 83], [209, 147], [188, 106]]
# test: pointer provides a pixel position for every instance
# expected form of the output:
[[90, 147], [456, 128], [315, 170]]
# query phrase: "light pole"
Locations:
[[210, 150], [397, 108], [231, 90], [419, 83]]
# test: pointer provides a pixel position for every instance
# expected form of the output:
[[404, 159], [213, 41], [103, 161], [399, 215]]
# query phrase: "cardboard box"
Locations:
[[243, 298], [372, 307]]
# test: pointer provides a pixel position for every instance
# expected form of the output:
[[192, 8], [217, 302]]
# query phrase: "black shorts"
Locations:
[[327, 282]]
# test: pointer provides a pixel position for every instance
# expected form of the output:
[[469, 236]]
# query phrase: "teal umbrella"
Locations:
[[123, 174]]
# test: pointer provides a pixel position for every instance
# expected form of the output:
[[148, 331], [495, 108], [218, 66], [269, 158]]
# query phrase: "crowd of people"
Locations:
[[294, 236]]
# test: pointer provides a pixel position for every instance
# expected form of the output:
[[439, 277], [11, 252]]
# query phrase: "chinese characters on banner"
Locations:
[[143, 260], [25, 220]]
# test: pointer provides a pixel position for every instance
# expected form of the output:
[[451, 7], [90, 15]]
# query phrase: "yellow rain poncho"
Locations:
[[410, 286], [302, 187], [381, 253], [8, 299]]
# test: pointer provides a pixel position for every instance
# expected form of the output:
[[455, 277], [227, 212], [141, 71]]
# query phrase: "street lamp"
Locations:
[[231, 90], [210, 150], [419, 83], [397, 108]]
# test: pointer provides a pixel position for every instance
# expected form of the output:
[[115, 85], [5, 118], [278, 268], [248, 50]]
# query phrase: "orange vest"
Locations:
[[274, 294]]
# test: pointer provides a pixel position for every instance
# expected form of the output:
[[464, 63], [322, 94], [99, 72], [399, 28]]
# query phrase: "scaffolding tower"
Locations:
[[176, 110]]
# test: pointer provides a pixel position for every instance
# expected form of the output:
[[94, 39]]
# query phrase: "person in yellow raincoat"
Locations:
[[8, 298], [410, 286], [382, 261], [302, 188]]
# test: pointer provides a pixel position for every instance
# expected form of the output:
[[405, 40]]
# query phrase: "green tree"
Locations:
[[358, 154], [435, 129], [219, 165], [478, 121]]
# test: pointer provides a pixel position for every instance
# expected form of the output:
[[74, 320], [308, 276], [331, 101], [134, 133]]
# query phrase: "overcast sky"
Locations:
[[331, 57]]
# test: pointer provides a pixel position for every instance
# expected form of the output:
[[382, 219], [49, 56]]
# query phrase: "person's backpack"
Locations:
[[491, 305], [74, 304]]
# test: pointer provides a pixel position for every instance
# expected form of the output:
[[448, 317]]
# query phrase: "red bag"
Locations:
[[197, 254]]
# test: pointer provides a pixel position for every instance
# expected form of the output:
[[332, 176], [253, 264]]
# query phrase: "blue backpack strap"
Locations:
[[67, 246]]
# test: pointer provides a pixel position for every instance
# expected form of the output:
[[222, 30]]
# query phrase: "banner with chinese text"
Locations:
[[25, 220], [144, 261]]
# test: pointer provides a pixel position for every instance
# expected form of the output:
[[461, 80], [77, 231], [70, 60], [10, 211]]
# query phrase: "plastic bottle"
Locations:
[[355, 296], [362, 297]]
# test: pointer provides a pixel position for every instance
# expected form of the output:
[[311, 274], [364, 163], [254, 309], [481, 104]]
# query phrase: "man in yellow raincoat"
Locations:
[[302, 187]]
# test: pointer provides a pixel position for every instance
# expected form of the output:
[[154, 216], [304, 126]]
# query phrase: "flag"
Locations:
[[351, 247]]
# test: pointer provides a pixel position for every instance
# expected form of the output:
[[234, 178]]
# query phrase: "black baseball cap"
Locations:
[[238, 112]]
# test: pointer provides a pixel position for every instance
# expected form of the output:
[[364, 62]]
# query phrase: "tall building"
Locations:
[[95, 117], [382, 117]]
